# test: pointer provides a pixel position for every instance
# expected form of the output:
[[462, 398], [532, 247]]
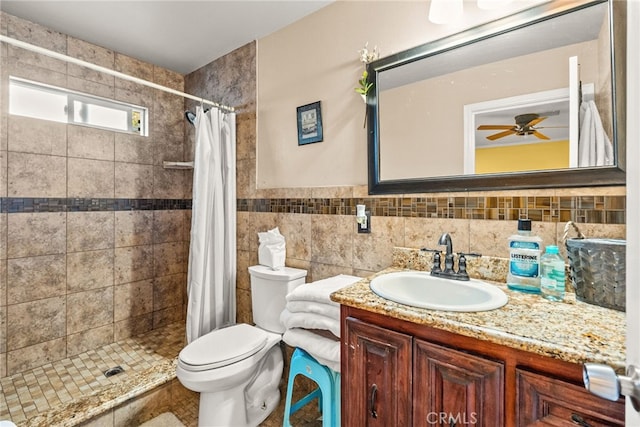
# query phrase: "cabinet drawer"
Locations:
[[543, 400]]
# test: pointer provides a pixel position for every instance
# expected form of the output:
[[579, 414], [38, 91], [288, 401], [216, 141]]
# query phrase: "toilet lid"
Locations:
[[223, 347]]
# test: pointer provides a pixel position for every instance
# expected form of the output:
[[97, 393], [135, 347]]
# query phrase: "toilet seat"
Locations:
[[223, 347]]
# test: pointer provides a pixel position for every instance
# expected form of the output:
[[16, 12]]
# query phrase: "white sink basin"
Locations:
[[420, 289]]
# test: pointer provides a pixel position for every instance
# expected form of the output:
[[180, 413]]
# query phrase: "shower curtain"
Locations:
[[211, 280]]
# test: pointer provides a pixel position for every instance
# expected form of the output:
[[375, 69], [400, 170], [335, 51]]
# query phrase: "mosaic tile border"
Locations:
[[580, 209], [35, 205]]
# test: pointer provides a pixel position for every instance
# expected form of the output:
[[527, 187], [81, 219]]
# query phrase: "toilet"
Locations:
[[237, 369]]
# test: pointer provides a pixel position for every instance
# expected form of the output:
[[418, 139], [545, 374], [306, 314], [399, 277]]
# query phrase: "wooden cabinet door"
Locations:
[[376, 376], [452, 388], [545, 401]]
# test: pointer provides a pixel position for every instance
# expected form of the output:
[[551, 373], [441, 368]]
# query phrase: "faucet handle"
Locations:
[[437, 255], [462, 262], [469, 254]]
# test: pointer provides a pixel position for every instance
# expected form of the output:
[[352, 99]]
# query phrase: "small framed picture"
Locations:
[[309, 123]]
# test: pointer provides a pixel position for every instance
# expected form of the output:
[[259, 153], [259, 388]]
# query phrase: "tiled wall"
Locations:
[[93, 229], [320, 229]]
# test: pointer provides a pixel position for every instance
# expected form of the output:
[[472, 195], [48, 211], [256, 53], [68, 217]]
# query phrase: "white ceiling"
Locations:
[[181, 35]]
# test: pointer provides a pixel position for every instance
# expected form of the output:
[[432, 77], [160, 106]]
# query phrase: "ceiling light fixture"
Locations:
[[445, 11], [492, 4], [448, 11]]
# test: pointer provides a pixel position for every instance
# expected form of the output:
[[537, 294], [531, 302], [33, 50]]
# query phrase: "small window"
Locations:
[[45, 102]]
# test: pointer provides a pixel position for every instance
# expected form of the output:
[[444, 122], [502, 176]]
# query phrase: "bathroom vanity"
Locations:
[[518, 365]]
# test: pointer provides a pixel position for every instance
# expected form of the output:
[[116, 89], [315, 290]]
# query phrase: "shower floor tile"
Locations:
[[75, 389], [75, 392]]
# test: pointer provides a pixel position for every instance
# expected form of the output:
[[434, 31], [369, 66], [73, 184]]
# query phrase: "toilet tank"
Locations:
[[269, 289]]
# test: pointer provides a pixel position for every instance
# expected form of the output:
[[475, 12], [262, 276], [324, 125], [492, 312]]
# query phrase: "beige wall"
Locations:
[[316, 59]]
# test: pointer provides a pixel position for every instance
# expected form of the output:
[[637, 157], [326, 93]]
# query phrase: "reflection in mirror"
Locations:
[[529, 97]]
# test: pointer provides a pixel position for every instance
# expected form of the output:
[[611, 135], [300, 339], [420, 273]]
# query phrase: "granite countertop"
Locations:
[[572, 331]]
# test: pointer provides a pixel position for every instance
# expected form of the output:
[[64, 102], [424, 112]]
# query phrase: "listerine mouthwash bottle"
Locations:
[[524, 259]]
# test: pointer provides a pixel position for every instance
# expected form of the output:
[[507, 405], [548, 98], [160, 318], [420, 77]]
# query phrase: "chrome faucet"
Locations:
[[449, 272]]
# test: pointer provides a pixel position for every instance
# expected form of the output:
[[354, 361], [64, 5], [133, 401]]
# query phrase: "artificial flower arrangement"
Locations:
[[366, 56], [364, 86]]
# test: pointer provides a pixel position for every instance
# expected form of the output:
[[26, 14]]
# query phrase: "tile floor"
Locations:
[[75, 391]]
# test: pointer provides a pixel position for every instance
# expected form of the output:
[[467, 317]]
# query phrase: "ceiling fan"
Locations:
[[525, 125]]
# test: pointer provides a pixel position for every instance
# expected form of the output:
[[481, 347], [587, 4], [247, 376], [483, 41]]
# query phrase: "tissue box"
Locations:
[[271, 258], [272, 250]]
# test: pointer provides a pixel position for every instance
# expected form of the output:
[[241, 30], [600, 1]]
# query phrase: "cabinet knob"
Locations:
[[373, 403]]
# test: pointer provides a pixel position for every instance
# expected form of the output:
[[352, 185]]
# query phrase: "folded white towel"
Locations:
[[320, 290], [328, 310], [310, 321], [325, 350]]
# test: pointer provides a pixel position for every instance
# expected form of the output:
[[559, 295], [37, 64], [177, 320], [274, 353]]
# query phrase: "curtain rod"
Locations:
[[67, 58]]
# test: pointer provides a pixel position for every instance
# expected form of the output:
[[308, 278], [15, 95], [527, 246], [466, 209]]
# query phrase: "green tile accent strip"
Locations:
[[580, 209]]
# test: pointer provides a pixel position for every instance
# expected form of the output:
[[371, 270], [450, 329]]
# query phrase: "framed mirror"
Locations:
[[533, 100]]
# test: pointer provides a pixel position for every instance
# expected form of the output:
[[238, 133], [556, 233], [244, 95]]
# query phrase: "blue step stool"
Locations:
[[327, 393]]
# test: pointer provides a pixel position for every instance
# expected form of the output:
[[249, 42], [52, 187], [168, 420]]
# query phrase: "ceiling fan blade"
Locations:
[[501, 134], [535, 122], [540, 135], [495, 127]]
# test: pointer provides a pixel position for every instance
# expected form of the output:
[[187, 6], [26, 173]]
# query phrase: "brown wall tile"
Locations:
[[332, 240], [89, 143], [133, 263], [134, 148], [27, 135], [372, 252], [34, 278], [35, 322], [133, 326], [133, 181], [133, 228], [3, 172], [34, 234], [133, 299], [90, 87], [168, 183], [36, 175], [35, 355], [167, 226], [168, 291], [90, 270], [89, 340], [169, 258], [90, 178], [89, 309], [90, 231]]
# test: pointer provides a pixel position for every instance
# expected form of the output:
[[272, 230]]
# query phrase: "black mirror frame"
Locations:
[[583, 177]]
